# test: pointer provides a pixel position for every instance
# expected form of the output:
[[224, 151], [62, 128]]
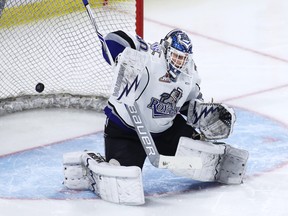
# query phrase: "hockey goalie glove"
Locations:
[[214, 120], [128, 82]]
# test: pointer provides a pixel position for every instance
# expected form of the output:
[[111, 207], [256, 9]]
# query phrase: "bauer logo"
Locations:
[[142, 131]]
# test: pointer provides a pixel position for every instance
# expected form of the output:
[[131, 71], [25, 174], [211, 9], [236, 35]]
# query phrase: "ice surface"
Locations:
[[240, 48]]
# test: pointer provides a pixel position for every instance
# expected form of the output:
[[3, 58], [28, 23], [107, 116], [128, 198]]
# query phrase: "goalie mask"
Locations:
[[178, 51]]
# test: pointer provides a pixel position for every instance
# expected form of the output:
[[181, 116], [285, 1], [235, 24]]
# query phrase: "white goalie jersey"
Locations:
[[141, 80], [144, 75]]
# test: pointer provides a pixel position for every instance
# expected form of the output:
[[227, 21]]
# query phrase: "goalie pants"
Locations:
[[126, 148]]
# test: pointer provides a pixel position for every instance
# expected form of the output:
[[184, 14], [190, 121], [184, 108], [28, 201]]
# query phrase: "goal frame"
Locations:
[[140, 18]]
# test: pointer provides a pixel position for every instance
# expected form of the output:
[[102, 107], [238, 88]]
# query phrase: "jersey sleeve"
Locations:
[[117, 41]]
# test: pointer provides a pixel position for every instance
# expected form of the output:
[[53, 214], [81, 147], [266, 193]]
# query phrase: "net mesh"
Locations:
[[53, 42]]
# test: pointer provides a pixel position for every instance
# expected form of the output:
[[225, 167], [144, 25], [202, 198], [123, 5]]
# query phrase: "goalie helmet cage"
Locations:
[[52, 42]]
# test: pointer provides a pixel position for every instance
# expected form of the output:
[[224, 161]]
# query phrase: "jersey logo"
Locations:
[[123, 86], [202, 114], [128, 88], [166, 105]]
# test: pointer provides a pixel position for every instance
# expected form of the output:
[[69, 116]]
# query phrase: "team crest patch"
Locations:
[[166, 105]]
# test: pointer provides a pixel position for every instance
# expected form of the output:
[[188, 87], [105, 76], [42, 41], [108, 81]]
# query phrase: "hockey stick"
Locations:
[[100, 36], [157, 160]]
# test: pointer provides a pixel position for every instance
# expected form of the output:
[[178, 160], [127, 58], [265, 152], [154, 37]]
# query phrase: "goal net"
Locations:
[[52, 42]]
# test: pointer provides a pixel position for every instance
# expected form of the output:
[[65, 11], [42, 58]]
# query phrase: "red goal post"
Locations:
[[140, 18], [52, 42]]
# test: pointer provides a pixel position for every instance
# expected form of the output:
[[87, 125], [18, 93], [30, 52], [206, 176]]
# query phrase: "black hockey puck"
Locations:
[[39, 87]]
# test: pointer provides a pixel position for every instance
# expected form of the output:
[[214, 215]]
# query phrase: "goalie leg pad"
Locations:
[[74, 173], [233, 166], [117, 184], [110, 181], [209, 153], [221, 162]]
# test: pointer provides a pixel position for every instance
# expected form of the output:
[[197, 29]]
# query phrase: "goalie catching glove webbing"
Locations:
[[214, 120]]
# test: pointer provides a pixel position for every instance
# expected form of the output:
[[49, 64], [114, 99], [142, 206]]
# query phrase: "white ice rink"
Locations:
[[241, 50]]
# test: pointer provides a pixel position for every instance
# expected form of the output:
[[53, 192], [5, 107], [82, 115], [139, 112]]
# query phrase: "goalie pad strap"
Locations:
[[111, 171]]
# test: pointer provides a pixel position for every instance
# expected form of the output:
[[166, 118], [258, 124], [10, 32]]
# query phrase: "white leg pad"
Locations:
[[74, 173], [117, 184], [207, 151], [233, 166], [221, 162], [113, 183]]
